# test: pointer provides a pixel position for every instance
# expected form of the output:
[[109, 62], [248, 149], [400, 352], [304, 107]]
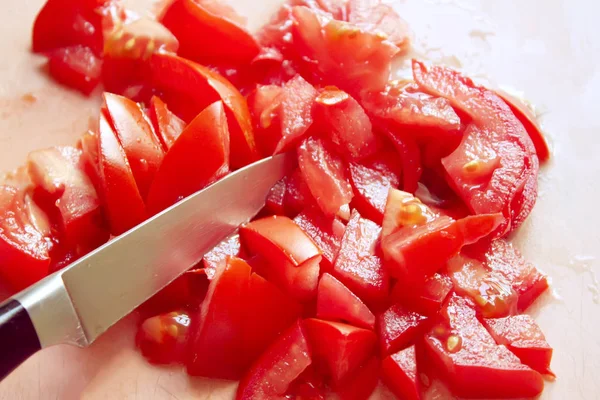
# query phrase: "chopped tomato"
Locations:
[[189, 87], [206, 35], [345, 120], [398, 327], [264, 104], [218, 255], [162, 338], [77, 67], [404, 211], [362, 383], [337, 303], [338, 349], [471, 361], [292, 257], [122, 200], [167, 125], [326, 232], [426, 299], [399, 373], [274, 371], [371, 181], [89, 146], [199, 157], [59, 173], [142, 148], [310, 385], [275, 202], [495, 166], [524, 338], [358, 266], [410, 155], [297, 195]]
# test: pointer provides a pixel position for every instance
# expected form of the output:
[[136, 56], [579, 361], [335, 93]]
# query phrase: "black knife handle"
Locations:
[[18, 338]]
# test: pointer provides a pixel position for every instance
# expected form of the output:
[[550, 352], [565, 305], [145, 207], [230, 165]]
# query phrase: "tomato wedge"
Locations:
[[399, 373], [218, 255], [167, 125], [426, 299], [409, 152], [326, 232], [162, 338], [77, 67], [198, 158], [398, 327], [189, 87], [264, 103], [122, 200], [362, 383], [206, 35]]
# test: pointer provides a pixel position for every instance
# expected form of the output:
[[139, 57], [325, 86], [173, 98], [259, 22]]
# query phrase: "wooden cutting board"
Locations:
[[549, 49]]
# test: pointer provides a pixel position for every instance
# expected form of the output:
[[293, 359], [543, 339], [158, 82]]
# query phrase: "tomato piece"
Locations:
[[495, 164], [357, 266], [404, 211], [326, 232], [371, 182], [489, 290], [297, 196], [471, 361], [426, 299], [274, 371], [292, 257], [167, 125], [347, 123], [138, 39], [530, 122], [59, 173], [337, 303], [218, 255], [25, 233], [264, 104], [362, 383], [77, 67], [399, 373], [185, 293], [189, 87], [308, 386], [162, 338], [410, 155], [122, 200], [199, 157], [338, 349], [525, 339], [398, 327], [88, 143], [325, 175], [275, 203], [142, 148]]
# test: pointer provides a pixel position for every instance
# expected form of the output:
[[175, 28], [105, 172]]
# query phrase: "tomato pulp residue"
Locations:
[[383, 255]]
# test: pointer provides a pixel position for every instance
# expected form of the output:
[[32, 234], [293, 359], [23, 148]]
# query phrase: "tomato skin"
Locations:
[[398, 327], [189, 87], [167, 125], [337, 303], [338, 349], [77, 67], [162, 338], [326, 232], [205, 35], [218, 255], [362, 383], [525, 339], [426, 299], [289, 356], [199, 157], [122, 200], [399, 373]]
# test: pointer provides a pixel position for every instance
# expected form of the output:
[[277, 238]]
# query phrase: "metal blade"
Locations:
[[112, 281]]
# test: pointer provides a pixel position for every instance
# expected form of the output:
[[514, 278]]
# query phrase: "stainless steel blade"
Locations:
[[113, 280]]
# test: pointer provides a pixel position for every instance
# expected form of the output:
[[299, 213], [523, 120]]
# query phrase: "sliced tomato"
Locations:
[[206, 35], [371, 181], [142, 148], [167, 125], [404, 211], [297, 196], [199, 157], [274, 371], [344, 119], [275, 203], [122, 200], [189, 87], [426, 299], [399, 373], [398, 327], [88, 143], [310, 385], [338, 349], [59, 173], [77, 67], [471, 361], [358, 266], [264, 103], [292, 257], [25, 233], [489, 290], [325, 175], [326, 232], [162, 338], [362, 383], [336, 302], [409, 152], [495, 165], [524, 338], [218, 255]]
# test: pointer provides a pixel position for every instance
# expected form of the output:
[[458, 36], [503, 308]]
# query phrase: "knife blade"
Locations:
[[79, 303]]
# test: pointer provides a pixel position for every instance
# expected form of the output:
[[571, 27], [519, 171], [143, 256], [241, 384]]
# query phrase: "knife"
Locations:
[[79, 303]]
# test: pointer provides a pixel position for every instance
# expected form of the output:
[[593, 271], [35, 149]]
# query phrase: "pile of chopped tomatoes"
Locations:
[[382, 256]]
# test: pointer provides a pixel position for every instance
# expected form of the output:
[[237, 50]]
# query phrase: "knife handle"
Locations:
[[18, 338]]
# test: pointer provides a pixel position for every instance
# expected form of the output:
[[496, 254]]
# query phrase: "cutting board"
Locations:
[[548, 49]]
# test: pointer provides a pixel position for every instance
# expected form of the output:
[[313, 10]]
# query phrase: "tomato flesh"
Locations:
[[77, 67], [326, 232], [399, 373], [398, 327], [426, 299], [167, 125], [362, 383], [162, 338], [218, 255]]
